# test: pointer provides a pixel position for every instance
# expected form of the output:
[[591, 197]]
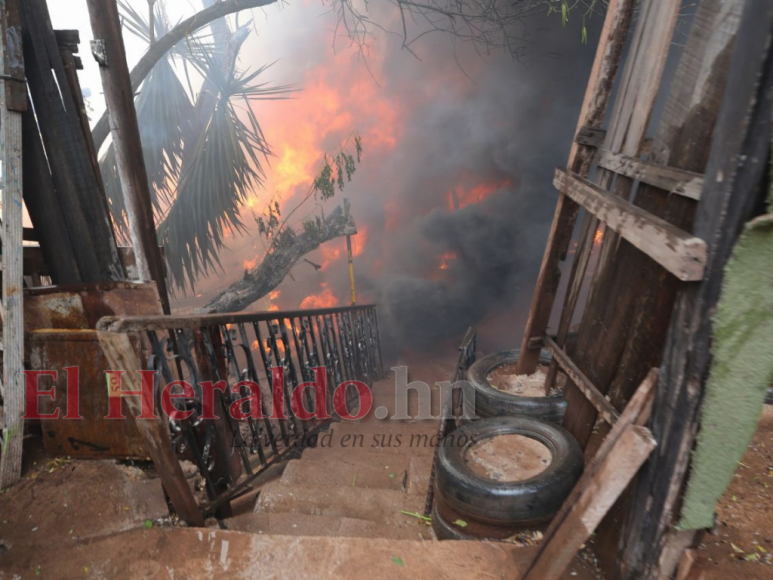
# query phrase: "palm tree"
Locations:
[[203, 155]]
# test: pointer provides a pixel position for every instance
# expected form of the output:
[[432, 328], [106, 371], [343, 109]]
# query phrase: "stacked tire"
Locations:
[[492, 402], [472, 506]]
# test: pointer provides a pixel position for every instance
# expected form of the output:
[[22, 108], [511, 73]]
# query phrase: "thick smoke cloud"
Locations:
[[435, 269]]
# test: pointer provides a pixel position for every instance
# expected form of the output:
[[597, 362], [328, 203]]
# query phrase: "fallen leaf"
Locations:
[[398, 561], [736, 549], [147, 524], [460, 523]]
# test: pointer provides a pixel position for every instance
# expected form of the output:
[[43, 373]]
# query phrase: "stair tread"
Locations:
[[230, 554], [378, 505], [294, 524], [337, 440], [369, 473]]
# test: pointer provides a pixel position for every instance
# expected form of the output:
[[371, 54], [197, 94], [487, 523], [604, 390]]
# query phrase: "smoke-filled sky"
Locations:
[[454, 195]]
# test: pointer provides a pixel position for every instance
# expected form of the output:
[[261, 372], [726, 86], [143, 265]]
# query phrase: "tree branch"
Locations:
[[277, 264], [164, 44]]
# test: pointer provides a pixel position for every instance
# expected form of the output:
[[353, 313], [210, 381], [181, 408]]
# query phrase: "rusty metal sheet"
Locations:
[[59, 332], [81, 306], [93, 436]]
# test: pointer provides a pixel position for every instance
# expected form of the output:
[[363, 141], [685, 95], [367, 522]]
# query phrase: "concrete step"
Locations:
[[294, 524], [386, 427], [377, 505], [370, 473], [187, 552], [347, 440]]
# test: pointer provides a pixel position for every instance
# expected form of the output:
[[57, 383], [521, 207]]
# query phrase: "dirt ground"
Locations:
[[741, 544]]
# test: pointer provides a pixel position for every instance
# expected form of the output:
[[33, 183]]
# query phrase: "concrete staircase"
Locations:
[[356, 483]]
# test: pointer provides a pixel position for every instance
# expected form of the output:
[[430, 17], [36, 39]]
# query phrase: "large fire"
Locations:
[[324, 299]]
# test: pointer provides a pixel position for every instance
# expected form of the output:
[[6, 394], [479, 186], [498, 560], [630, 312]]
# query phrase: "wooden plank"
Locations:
[[36, 262], [56, 254], [155, 432], [735, 171], [12, 237], [637, 412], [603, 406], [594, 107], [72, 170], [674, 181], [106, 26], [682, 254], [598, 495]]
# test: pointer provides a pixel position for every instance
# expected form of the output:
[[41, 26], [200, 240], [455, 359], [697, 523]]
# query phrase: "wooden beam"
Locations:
[[682, 254], [599, 493], [636, 413], [735, 171], [56, 252], [594, 396], [122, 356], [72, 171], [594, 107], [670, 179], [119, 97], [12, 238]]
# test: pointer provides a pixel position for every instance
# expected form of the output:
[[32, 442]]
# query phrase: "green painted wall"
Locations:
[[741, 371]]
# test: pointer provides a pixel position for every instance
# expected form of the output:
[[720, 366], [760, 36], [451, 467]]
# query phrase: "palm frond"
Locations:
[[218, 175], [164, 113]]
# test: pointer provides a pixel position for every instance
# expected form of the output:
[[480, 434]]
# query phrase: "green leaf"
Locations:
[[147, 524], [460, 523], [398, 561]]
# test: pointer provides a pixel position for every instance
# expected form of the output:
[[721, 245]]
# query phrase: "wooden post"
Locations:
[[594, 107], [735, 170], [109, 50], [121, 355], [351, 269], [11, 108]]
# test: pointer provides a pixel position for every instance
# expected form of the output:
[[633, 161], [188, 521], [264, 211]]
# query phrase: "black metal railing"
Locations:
[[243, 350]]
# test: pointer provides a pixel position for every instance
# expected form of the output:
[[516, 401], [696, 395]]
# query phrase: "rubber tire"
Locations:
[[491, 402], [523, 503], [445, 531]]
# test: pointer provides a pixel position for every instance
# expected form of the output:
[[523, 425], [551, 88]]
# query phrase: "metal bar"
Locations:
[[142, 323]]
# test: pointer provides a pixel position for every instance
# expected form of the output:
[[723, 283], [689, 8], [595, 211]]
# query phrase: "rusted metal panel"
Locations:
[[59, 331], [81, 306], [93, 436]]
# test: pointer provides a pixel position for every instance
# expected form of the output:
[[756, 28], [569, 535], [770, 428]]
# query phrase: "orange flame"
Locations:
[[598, 238], [324, 299], [460, 197], [359, 241], [445, 259]]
